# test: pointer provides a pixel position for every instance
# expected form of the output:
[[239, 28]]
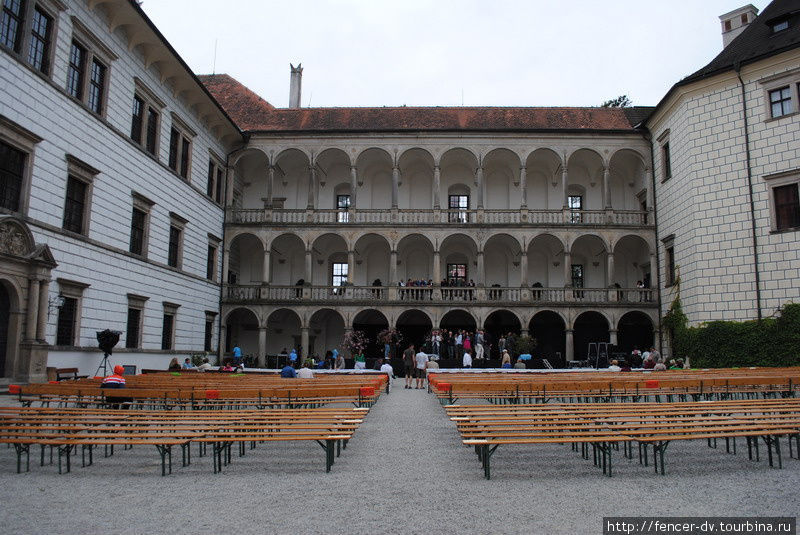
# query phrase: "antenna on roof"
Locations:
[[214, 64], [309, 98], [462, 96]]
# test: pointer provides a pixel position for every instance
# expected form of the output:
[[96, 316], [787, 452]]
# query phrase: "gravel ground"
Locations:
[[405, 471]]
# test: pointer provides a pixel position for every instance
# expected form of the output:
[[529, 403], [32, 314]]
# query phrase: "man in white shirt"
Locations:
[[421, 361], [467, 361], [305, 372], [388, 370]]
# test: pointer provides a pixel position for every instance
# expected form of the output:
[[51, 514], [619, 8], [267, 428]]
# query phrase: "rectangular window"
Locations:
[[787, 207], [456, 273], [167, 327], [211, 263], [214, 185], [209, 333], [75, 205], [65, 328], [41, 30], [137, 119], [75, 69], [180, 148], [12, 166], [173, 258], [184, 171], [780, 26], [97, 82], [575, 204], [670, 265], [458, 206], [138, 226], [218, 191], [339, 273], [212, 173], [11, 24], [780, 101], [132, 334], [151, 142], [174, 141], [577, 275], [343, 205], [666, 161]]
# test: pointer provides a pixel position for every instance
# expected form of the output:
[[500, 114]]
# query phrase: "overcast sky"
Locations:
[[430, 53]]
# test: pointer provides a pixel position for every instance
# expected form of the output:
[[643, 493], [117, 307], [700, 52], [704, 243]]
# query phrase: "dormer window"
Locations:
[[728, 25], [780, 25]]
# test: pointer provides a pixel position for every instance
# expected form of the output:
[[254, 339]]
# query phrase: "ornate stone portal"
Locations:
[[25, 278]]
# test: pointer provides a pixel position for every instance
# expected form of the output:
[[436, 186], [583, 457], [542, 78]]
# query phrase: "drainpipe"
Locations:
[[737, 67], [649, 138]]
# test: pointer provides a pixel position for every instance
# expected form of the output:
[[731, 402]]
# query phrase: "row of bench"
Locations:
[[66, 429], [606, 427]]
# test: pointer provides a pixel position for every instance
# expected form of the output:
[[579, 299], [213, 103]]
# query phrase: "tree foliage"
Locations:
[[621, 101]]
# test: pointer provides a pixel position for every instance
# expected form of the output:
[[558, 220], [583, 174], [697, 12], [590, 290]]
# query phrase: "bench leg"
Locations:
[[64, 450], [26, 449], [329, 454], [166, 457]]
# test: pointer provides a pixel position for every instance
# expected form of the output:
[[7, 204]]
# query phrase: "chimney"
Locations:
[[295, 84], [735, 22]]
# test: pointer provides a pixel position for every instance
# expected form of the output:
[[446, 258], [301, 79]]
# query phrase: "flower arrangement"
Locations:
[[355, 342]]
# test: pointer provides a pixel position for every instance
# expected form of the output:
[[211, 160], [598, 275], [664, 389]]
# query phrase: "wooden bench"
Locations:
[[68, 373]]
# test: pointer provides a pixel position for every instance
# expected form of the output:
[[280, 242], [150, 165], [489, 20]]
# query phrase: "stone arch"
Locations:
[[501, 177], [545, 262], [327, 328], [416, 179], [372, 256], [628, 184], [241, 328], [375, 178], [458, 318], [502, 253], [371, 321], [548, 328], [589, 327], [287, 259], [284, 327], [499, 322], [246, 261], [333, 176], [543, 177], [414, 258], [292, 179], [326, 250], [635, 329], [632, 257], [458, 167], [459, 249], [415, 325], [585, 169], [10, 325], [234, 158]]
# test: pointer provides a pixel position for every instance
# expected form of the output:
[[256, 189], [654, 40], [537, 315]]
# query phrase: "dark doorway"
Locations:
[[590, 327], [500, 323], [635, 329], [5, 318], [371, 322], [415, 326], [548, 329], [458, 319]]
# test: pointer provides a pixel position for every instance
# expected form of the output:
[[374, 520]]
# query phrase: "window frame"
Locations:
[[777, 180], [782, 101], [179, 223], [213, 259], [341, 277], [215, 178], [85, 173], [770, 84], [458, 214], [98, 52], [150, 104], [51, 8], [183, 149], [171, 310], [670, 271], [135, 302], [449, 278], [24, 141], [342, 209], [208, 333], [145, 205], [73, 290]]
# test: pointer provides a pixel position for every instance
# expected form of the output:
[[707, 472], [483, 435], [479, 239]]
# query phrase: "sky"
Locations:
[[448, 52]]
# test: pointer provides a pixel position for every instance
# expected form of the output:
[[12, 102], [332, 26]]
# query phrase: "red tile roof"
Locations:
[[252, 113]]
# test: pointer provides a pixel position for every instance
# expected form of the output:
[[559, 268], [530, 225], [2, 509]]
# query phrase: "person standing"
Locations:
[[408, 364], [421, 361], [237, 354], [459, 341], [479, 345], [466, 360]]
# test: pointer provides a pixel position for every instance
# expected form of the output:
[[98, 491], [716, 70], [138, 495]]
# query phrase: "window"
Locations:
[[137, 119], [211, 260], [670, 265], [175, 246], [168, 326], [577, 275], [11, 25], [458, 205], [780, 101], [144, 118], [209, 332], [88, 68], [728, 25], [338, 273], [780, 26], [666, 161], [140, 222], [77, 61], [456, 273], [744, 18], [12, 168], [68, 323], [180, 147], [342, 207], [41, 30], [77, 203], [575, 205], [133, 332], [215, 179], [16, 151], [787, 207]]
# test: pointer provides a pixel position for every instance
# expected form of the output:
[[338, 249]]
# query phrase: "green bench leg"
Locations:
[[26, 449]]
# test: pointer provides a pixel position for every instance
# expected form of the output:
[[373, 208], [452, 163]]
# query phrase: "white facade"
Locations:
[[99, 258]]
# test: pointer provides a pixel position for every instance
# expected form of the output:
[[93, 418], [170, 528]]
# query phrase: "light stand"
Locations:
[[106, 341]]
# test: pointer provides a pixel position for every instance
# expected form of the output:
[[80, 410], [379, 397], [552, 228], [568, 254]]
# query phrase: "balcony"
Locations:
[[257, 216], [448, 296]]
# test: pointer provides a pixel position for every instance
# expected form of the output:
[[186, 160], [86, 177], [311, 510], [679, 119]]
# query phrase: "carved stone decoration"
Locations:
[[13, 240]]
